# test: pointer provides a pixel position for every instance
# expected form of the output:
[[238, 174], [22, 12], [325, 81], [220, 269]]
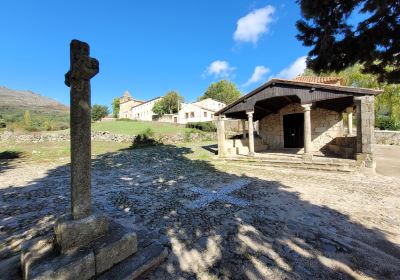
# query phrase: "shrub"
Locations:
[[2, 123], [203, 126], [145, 139], [125, 120], [386, 123]]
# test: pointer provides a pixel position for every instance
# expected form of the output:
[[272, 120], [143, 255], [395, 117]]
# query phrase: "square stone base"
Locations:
[[307, 157], [116, 249], [366, 162], [71, 233]]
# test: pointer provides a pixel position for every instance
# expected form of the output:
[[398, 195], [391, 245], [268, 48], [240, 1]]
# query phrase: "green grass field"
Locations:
[[136, 127]]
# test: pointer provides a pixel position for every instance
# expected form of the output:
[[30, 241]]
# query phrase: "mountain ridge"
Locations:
[[11, 99]]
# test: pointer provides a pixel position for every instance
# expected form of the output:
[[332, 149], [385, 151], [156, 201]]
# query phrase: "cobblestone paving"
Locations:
[[297, 225]]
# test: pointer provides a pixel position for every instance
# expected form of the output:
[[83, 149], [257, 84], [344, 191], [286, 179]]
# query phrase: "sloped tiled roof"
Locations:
[[320, 80]]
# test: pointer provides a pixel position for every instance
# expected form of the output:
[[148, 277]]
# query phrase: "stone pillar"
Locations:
[[349, 112], [83, 68], [221, 136], [251, 133], [365, 131], [244, 129], [307, 132]]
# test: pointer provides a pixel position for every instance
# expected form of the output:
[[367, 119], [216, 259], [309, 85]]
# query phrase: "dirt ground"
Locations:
[[278, 224], [388, 160]]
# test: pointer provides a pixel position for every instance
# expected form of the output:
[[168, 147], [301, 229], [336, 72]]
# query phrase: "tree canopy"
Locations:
[[224, 91], [387, 104], [168, 104], [336, 44], [115, 107], [99, 112]]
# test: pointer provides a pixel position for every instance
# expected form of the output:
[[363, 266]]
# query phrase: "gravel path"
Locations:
[[298, 224]]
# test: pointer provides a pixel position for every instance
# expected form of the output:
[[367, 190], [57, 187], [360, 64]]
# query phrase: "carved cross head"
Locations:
[[83, 67]]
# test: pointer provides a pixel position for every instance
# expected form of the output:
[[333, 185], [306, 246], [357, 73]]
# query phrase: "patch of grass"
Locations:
[[55, 151], [136, 127]]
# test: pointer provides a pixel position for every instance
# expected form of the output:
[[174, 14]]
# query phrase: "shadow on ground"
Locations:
[[278, 236], [7, 158]]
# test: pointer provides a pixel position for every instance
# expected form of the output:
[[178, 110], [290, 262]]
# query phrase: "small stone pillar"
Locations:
[[307, 132], [365, 131], [244, 129], [221, 136], [251, 133], [349, 112]]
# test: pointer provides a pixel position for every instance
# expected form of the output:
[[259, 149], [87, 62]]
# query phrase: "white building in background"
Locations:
[[144, 111], [201, 111]]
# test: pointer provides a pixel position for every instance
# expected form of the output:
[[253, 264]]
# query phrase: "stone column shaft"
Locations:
[[251, 133], [307, 132], [350, 120], [244, 129], [82, 69], [221, 136]]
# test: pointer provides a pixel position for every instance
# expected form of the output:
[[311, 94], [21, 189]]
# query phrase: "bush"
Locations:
[[2, 123], [386, 123], [125, 120], [145, 139], [203, 126]]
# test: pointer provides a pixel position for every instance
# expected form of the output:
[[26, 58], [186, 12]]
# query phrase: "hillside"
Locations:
[[46, 113], [17, 100]]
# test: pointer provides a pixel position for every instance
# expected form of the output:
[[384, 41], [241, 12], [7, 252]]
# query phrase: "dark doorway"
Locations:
[[293, 130]]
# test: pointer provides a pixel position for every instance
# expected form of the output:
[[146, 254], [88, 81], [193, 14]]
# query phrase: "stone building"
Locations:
[[144, 111], [126, 103], [303, 116], [200, 111]]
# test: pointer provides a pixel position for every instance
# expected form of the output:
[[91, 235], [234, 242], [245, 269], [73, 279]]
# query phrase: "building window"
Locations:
[[187, 115], [205, 114], [192, 114]]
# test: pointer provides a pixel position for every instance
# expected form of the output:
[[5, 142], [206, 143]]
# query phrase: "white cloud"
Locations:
[[295, 69], [219, 68], [253, 25], [259, 74]]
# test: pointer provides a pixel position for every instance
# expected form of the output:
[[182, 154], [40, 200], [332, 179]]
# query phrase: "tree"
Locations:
[[387, 104], [27, 119], [374, 42], [99, 112], [115, 107], [168, 104], [224, 91]]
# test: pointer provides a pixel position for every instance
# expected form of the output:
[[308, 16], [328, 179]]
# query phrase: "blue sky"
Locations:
[[149, 47]]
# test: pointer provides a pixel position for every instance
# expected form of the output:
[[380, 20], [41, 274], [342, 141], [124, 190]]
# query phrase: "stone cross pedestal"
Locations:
[[86, 244]]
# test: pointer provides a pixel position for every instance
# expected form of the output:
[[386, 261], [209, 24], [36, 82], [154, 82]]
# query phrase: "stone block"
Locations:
[[134, 266], [115, 246], [307, 157], [75, 265], [35, 250], [79, 233]]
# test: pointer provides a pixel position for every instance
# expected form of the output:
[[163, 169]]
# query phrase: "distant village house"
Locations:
[[200, 111]]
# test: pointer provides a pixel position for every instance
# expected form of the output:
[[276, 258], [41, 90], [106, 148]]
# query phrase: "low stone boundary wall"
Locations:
[[387, 137], [101, 136]]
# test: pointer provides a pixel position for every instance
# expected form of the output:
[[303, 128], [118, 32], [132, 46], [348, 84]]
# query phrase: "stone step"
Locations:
[[138, 264], [40, 258], [297, 163]]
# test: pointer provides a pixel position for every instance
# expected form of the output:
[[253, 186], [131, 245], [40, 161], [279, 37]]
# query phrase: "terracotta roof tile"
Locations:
[[320, 80]]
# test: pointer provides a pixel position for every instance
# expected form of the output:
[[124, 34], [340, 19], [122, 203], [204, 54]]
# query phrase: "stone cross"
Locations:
[[82, 69], [207, 197]]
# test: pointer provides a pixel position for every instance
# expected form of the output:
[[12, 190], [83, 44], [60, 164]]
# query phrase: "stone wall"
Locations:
[[326, 125], [41, 137], [387, 137]]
